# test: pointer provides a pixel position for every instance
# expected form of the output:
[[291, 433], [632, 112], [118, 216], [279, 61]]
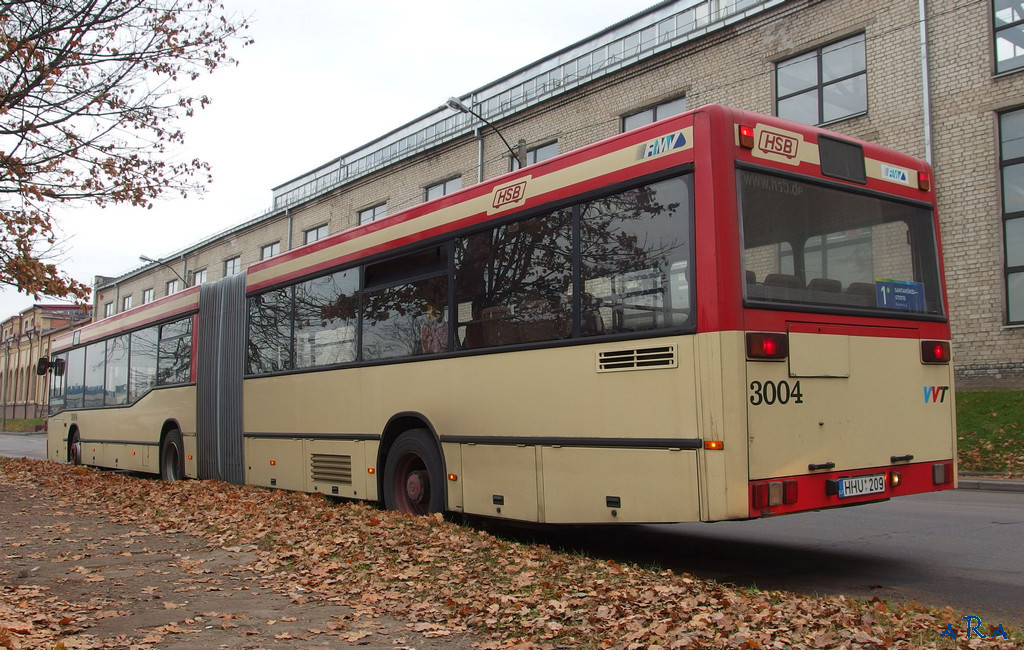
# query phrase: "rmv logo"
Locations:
[[511, 194], [894, 174], [777, 143], [663, 144]]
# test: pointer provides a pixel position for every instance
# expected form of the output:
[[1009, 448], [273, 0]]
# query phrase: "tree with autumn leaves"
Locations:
[[92, 94]]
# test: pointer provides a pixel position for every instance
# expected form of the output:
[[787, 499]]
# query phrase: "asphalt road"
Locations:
[[13, 445], [963, 548]]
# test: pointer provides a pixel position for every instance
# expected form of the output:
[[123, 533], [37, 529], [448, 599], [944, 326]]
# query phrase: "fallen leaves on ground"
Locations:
[[446, 579]]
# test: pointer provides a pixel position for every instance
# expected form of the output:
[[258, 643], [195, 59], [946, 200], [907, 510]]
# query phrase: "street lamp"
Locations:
[[150, 260], [456, 105]]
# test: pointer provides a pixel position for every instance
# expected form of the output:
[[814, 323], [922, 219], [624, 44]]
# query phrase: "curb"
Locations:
[[990, 485]]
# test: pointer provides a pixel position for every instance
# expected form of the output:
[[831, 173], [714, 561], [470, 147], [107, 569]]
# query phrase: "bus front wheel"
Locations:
[[414, 475], [172, 457]]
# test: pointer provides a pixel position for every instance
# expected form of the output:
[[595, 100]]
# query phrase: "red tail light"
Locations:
[[790, 491], [746, 137], [935, 352], [923, 182], [760, 496], [767, 346]]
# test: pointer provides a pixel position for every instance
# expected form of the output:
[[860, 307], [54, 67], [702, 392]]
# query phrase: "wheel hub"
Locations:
[[415, 486]]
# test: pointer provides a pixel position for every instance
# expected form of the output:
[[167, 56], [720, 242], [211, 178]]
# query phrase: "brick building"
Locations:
[[938, 79], [25, 338]]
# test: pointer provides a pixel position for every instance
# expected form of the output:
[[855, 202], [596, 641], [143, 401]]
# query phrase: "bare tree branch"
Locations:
[[91, 94]]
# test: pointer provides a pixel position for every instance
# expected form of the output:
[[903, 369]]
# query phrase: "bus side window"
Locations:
[[405, 300], [512, 282]]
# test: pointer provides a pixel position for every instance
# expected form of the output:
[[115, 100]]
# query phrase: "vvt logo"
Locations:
[[935, 394], [663, 145]]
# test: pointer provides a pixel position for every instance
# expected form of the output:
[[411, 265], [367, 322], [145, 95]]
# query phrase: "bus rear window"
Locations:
[[821, 248]]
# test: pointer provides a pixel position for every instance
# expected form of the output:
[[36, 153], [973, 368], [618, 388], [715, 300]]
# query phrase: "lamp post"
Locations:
[[150, 260], [456, 105]]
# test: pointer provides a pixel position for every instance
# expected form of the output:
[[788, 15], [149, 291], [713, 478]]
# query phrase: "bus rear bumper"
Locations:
[[784, 495]]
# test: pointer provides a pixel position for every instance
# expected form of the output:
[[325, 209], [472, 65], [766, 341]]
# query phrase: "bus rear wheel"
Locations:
[[75, 449], [172, 457], [414, 475]]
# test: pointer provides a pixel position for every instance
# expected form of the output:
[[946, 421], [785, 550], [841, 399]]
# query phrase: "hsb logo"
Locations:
[[778, 143], [504, 196]]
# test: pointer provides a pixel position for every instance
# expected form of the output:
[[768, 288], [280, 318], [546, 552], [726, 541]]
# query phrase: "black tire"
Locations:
[[414, 475], [75, 448], [172, 457]]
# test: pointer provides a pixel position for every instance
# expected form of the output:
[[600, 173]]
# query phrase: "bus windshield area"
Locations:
[[817, 247]]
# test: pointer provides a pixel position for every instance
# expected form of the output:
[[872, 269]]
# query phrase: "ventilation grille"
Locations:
[[662, 356], [331, 468]]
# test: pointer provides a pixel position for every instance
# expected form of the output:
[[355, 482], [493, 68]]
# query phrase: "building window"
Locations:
[[824, 85], [1008, 21], [108, 310], [232, 266], [653, 114], [270, 250], [147, 296], [126, 303], [198, 277], [1011, 151], [372, 214], [315, 234], [172, 287], [537, 154], [445, 187]]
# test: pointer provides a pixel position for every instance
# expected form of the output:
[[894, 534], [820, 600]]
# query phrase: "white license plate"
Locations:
[[856, 486]]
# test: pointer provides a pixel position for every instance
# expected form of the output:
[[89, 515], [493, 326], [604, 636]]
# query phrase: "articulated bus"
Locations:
[[721, 315]]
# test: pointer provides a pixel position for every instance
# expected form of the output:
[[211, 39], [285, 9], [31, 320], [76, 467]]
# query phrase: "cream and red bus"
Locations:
[[721, 315]]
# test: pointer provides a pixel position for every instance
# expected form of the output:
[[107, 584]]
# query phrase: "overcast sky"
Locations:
[[322, 78]]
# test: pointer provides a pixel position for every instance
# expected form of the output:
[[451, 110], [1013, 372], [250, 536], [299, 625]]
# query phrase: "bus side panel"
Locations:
[[722, 403], [619, 485], [523, 396], [108, 430], [501, 481], [275, 462], [336, 467]]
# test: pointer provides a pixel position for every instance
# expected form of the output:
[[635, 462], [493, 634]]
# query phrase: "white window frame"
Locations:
[[653, 114], [538, 154], [1007, 18], [822, 85], [314, 234], [269, 250], [443, 188], [373, 213]]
